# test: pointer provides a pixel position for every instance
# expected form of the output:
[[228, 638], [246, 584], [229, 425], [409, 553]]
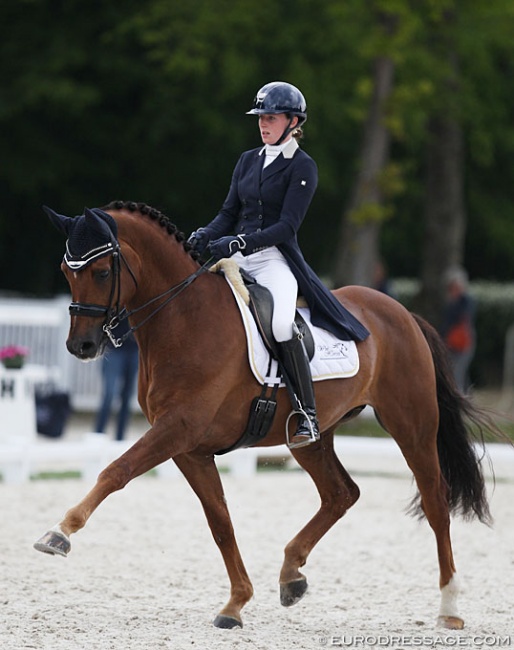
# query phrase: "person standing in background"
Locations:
[[458, 324], [381, 281], [119, 373]]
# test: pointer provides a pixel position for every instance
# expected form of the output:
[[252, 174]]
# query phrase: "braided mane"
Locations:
[[156, 215]]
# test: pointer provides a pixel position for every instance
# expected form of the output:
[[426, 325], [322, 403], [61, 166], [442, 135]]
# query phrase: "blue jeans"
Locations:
[[119, 372]]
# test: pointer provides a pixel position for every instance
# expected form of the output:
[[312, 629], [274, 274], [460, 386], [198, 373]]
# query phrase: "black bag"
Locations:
[[53, 408]]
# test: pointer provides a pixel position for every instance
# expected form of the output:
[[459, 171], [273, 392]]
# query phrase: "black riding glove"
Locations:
[[226, 246], [198, 240]]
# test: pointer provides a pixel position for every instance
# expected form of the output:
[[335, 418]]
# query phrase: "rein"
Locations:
[[171, 294], [112, 312]]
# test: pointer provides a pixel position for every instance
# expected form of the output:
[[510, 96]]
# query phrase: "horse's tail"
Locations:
[[459, 421]]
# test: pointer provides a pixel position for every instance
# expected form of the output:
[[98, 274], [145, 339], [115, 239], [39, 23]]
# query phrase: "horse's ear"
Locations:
[[60, 221], [101, 222]]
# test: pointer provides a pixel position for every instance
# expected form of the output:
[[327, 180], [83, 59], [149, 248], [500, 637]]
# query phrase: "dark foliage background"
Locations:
[[146, 102]]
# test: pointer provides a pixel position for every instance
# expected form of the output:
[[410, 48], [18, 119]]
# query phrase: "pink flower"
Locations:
[[13, 351]]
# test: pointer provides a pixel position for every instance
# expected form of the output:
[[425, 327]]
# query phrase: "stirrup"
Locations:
[[303, 440]]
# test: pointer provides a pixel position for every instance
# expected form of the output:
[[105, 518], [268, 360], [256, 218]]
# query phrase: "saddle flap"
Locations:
[[261, 307]]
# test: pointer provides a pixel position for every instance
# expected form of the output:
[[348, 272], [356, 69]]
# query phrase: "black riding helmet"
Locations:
[[280, 97]]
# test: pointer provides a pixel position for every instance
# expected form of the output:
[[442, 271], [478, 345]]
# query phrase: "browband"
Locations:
[[78, 262]]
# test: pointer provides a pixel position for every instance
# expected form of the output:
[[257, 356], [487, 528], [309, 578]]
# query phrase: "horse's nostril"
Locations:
[[82, 348], [88, 347]]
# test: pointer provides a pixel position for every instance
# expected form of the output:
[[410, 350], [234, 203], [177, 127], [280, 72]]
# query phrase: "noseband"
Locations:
[[114, 314]]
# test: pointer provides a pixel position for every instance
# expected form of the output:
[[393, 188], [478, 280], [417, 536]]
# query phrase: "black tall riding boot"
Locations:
[[296, 365]]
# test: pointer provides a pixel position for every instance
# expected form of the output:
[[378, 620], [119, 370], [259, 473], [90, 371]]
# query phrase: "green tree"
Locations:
[[358, 250], [146, 102], [453, 87]]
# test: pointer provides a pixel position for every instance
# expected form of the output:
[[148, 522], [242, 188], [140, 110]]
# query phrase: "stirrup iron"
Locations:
[[305, 440]]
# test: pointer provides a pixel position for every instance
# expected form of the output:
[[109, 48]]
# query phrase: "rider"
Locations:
[[271, 189]]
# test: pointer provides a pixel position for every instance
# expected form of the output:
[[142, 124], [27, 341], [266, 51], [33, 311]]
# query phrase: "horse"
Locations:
[[195, 388]]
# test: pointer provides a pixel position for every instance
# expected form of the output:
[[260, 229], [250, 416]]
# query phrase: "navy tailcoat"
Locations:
[[267, 206]]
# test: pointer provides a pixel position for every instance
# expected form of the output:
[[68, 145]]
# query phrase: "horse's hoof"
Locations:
[[226, 622], [450, 622], [54, 543], [292, 592]]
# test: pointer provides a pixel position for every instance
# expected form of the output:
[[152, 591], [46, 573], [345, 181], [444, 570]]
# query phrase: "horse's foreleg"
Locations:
[[148, 452], [338, 493], [202, 475]]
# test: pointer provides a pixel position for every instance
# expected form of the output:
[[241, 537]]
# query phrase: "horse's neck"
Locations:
[[160, 260], [155, 262], [190, 310]]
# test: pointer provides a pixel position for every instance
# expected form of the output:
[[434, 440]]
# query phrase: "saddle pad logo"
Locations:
[[338, 350]]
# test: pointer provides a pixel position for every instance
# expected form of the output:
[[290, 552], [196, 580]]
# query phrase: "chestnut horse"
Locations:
[[195, 388]]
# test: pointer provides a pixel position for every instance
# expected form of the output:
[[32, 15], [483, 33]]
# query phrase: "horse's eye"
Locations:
[[103, 275]]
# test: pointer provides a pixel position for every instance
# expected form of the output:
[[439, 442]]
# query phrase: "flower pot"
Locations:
[[14, 362]]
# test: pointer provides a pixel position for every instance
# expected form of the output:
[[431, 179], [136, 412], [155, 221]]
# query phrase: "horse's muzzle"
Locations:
[[85, 348]]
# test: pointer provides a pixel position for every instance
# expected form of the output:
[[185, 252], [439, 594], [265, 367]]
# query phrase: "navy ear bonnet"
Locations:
[[90, 236]]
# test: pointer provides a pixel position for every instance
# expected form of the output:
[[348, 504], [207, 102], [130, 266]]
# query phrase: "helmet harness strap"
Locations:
[[287, 131]]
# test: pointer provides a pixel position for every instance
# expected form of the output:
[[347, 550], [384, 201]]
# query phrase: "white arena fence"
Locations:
[[42, 326], [90, 455]]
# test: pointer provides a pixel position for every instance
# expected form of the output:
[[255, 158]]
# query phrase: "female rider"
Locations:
[[271, 189]]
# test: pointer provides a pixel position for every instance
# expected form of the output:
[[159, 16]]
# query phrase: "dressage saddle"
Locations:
[[263, 407]]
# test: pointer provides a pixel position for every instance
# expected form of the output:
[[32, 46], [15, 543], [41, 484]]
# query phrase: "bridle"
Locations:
[[113, 313]]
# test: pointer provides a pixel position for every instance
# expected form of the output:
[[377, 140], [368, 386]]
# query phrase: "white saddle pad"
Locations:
[[333, 359]]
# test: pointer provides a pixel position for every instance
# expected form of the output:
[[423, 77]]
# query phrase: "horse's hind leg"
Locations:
[[337, 492], [434, 502], [202, 475], [421, 455]]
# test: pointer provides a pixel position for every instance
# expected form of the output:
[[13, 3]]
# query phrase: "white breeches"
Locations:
[[270, 269]]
